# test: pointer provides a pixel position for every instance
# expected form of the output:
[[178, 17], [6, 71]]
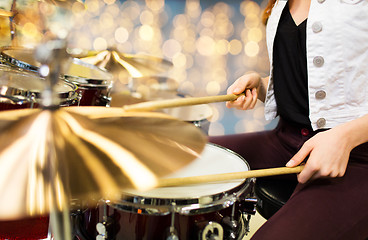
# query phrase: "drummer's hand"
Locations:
[[248, 84], [328, 153]]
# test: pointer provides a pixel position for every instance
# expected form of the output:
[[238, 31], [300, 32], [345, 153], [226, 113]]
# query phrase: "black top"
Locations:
[[290, 70]]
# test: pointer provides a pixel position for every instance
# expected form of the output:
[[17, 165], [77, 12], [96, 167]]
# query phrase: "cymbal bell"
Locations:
[[51, 156], [136, 65]]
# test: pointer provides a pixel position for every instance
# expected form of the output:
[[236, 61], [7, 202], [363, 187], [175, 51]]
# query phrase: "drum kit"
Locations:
[[203, 211], [90, 166]]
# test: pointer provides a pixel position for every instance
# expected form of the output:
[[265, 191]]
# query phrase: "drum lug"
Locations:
[[32, 99], [79, 98], [212, 231], [103, 229]]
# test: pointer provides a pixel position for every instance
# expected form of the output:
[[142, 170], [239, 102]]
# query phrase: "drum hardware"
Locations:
[[21, 89], [94, 84], [104, 228], [172, 232], [212, 231], [248, 209], [232, 225]]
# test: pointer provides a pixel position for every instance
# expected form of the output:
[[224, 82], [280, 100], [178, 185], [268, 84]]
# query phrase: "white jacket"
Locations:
[[337, 61]]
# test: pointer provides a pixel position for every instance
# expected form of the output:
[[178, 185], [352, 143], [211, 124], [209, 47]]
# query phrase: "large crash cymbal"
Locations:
[[49, 156], [136, 65]]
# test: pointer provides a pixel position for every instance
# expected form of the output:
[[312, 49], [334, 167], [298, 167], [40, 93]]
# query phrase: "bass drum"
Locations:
[[204, 211], [20, 89], [94, 84]]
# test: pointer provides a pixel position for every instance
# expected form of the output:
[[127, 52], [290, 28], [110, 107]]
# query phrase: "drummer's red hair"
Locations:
[[267, 11]]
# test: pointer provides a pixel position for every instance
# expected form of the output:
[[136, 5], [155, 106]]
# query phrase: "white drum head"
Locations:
[[213, 160]]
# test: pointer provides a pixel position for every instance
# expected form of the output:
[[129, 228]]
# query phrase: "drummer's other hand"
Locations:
[[327, 153], [247, 85]]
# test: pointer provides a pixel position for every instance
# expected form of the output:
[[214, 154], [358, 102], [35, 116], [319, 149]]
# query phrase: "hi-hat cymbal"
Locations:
[[137, 65], [49, 156]]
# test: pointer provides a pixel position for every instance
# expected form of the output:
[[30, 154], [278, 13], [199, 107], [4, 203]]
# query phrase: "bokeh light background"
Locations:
[[210, 43]]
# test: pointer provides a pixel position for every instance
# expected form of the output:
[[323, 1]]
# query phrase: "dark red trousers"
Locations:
[[334, 208]]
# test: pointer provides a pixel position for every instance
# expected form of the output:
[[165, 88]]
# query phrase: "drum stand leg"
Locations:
[[172, 235], [60, 225]]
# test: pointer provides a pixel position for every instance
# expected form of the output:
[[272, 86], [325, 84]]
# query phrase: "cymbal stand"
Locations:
[[53, 57]]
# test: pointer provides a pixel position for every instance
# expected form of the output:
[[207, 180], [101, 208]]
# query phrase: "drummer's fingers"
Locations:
[[237, 103], [247, 101], [254, 98]]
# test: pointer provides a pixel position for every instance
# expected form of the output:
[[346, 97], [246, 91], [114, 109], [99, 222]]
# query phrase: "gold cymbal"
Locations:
[[137, 65], [49, 156], [4, 13]]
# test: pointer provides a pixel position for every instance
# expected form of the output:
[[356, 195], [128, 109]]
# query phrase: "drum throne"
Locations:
[[272, 194]]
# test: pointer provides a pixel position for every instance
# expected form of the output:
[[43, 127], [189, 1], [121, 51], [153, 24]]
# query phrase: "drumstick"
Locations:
[[170, 182], [179, 102]]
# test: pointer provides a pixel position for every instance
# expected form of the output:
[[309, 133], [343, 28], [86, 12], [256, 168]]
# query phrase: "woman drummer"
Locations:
[[318, 87]]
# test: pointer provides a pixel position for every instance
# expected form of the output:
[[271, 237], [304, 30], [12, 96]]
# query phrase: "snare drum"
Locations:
[[203, 211], [20, 89], [94, 84]]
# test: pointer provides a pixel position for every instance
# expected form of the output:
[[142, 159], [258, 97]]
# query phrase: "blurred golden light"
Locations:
[[189, 45], [247, 7], [109, 2], [222, 47], [207, 32], [78, 9], [170, 48], [205, 45], [84, 42], [223, 8], [216, 129], [131, 9], [113, 10], [93, 6], [179, 60], [224, 28], [146, 32], [106, 21], [180, 20], [251, 49], [252, 20], [207, 19], [217, 113], [213, 88], [46, 9], [187, 87], [193, 8], [99, 44], [121, 35], [146, 17], [235, 47], [155, 5], [255, 35], [248, 125], [30, 30]]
